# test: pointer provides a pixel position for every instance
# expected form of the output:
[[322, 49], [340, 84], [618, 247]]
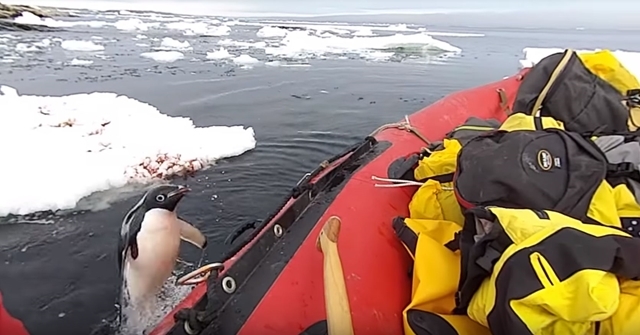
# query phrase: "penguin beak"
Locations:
[[179, 193]]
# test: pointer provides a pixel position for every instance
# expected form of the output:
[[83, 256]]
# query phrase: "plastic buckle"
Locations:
[[633, 98], [620, 169]]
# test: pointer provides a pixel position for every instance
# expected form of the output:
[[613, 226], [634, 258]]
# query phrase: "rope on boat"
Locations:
[[403, 125], [395, 182], [200, 274], [401, 183]]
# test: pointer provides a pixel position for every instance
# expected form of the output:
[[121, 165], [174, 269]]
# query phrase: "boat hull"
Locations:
[[279, 280]]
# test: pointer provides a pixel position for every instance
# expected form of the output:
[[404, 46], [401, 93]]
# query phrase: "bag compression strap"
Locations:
[[624, 170], [408, 237], [441, 178], [554, 75]]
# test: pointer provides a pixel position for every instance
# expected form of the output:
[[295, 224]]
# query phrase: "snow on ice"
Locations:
[[59, 150]]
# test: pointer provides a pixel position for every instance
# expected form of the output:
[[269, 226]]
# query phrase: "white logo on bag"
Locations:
[[545, 160]]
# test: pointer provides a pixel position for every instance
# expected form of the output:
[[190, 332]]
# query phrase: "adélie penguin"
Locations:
[[150, 243]]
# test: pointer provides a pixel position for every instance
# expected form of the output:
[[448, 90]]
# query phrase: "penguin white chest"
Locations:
[[158, 249]]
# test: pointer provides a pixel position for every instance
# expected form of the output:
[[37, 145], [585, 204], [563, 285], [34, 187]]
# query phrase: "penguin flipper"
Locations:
[[129, 230], [191, 234]]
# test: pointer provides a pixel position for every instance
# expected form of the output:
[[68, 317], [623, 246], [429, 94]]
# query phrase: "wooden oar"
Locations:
[[335, 291]]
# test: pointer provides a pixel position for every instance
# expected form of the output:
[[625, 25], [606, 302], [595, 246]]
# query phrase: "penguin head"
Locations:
[[165, 197]]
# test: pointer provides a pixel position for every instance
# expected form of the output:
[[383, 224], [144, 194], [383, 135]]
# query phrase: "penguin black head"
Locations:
[[165, 197]]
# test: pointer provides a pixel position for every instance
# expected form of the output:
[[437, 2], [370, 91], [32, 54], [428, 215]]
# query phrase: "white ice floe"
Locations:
[[134, 25], [199, 28], [44, 43], [33, 47], [28, 18], [169, 43], [363, 32], [268, 32], [348, 29], [79, 45], [246, 60], [24, 47], [221, 53], [80, 62], [65, 148], [629, 59], [217, 31], [303, 43], [242, 44], [163, 56]]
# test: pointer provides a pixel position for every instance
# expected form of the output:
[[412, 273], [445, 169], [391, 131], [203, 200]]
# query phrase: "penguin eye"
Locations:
[[160, 197]]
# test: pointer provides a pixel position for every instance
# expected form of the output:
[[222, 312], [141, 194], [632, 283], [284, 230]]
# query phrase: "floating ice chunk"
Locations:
[[217, 31], [301, 43], [24, 47], [8, 91], [629, 59], [246, 60], [221, 53], [170, 43], [79, 45], [241, 44], [72, 146], [363, 32], [163, 56], [80, 62], [133, 24], [268, 31], [398, 27], [29, 18], [350, 29], [335, 31], [43, 44]]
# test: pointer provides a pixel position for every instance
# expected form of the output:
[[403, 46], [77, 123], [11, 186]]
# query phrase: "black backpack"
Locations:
[[548, 169], [562, 87]]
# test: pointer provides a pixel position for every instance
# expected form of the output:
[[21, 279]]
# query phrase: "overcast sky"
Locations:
[[323, 7]]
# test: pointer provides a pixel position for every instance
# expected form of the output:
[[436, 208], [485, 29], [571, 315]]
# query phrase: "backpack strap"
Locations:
[[408, 237], [441, 178], [623, 170], [537, 106]]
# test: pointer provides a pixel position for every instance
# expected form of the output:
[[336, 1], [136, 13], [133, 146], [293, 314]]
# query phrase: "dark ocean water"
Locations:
[[61, 278]]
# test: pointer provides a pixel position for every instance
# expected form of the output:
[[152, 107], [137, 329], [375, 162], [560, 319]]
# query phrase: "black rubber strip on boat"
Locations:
[[257, 269]]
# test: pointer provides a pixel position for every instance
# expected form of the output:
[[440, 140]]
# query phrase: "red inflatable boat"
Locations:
[[273, 284]]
